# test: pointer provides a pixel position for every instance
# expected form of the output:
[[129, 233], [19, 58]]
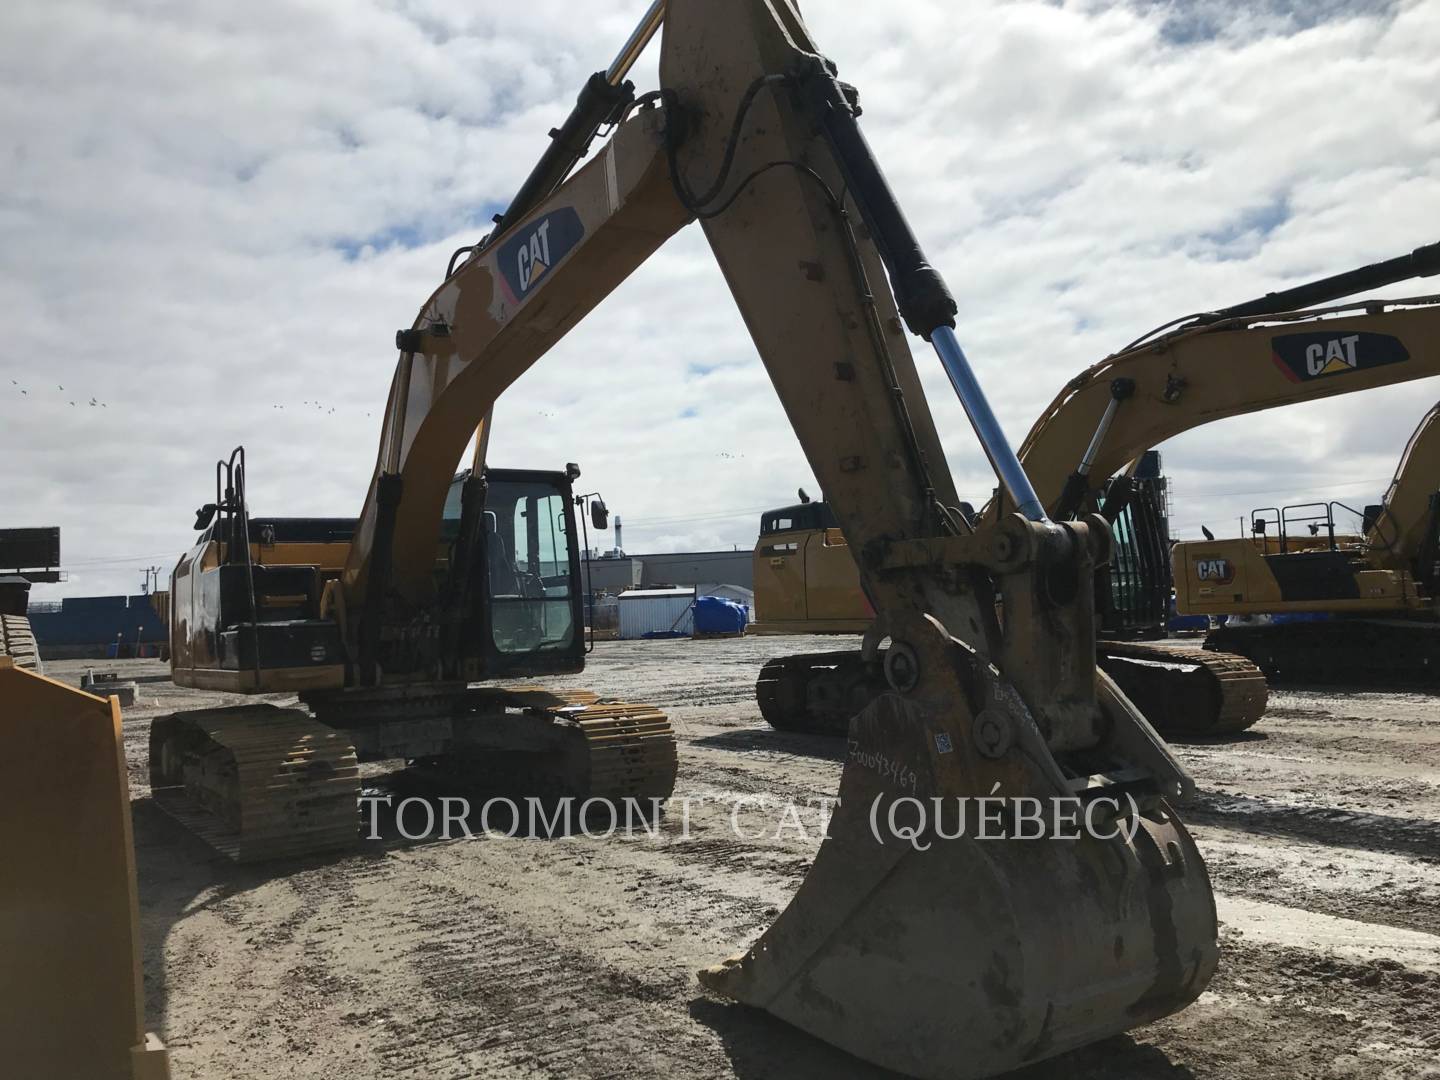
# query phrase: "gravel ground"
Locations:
[[510, 958]]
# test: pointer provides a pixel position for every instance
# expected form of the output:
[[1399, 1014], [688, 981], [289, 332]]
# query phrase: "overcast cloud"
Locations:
[[213, 217]]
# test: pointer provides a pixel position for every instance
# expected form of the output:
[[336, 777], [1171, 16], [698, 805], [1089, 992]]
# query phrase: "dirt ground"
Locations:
[[575, 957]]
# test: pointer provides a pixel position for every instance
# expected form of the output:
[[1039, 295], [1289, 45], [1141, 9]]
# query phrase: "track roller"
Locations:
[[1393, 653]]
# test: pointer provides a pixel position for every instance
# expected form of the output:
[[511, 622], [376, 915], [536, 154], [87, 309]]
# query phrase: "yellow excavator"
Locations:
[[274, 604], [1088, 452], [951, 957], [1333, 608], [938, 955], [806, 583]]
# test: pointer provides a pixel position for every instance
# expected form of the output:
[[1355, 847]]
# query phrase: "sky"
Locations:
[[214, 216]]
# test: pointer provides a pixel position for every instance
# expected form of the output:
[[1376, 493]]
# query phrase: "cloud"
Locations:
[[208, 211]]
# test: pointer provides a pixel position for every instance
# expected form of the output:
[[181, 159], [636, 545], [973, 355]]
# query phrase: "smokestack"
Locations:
[[619, 547]]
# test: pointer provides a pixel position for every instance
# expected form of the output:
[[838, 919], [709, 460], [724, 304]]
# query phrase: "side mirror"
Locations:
[[204, 516], [599, 513]]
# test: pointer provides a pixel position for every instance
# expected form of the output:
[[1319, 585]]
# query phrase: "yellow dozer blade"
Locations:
[[71, 1006], [974, 956]]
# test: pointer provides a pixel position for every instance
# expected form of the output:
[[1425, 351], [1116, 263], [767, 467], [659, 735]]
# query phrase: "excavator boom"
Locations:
[[1230, 367]]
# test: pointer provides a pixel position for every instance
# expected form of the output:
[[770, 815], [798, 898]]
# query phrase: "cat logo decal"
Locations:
[[1215, 571], [1303, 357], [526, 258]]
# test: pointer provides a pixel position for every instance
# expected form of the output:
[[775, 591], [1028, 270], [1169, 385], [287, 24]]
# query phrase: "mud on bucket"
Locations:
[[974, 956]]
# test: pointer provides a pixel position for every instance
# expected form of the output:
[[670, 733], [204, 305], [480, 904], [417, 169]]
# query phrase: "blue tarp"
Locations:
[[716, 615], [1184, 624]]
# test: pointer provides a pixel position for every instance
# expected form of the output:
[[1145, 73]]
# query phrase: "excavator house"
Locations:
[[961, 958], [1353, 608]]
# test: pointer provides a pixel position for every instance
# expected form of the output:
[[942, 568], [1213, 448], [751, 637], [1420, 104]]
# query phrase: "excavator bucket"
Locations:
[[71, 1006], [967, 957]]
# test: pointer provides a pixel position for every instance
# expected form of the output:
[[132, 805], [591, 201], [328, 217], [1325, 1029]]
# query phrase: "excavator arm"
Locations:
[[1406, 525], [940, 957], [478, 332]]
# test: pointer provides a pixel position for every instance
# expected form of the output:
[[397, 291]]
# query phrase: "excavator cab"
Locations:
[[1133, 600], [524, 552]]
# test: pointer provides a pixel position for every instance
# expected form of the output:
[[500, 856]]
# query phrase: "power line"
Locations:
[[115, 560], [722, 515], [1281, 491]]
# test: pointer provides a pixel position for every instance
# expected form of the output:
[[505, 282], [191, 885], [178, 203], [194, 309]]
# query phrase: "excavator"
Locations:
[[944, 956], [1351, 609], [1086, 453], [950, 958], [274, 604], [806, 583]]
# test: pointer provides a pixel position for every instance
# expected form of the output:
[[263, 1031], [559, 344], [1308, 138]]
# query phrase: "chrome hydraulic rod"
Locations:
[[635, 44], [1120, 390], [987, 427]]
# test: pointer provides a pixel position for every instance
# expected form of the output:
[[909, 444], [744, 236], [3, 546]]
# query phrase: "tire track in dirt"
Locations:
[[1290, 1012], [1373, 886], [506, 1003]]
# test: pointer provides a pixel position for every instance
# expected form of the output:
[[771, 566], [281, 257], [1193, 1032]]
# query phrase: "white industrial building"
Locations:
[[656, 611]]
